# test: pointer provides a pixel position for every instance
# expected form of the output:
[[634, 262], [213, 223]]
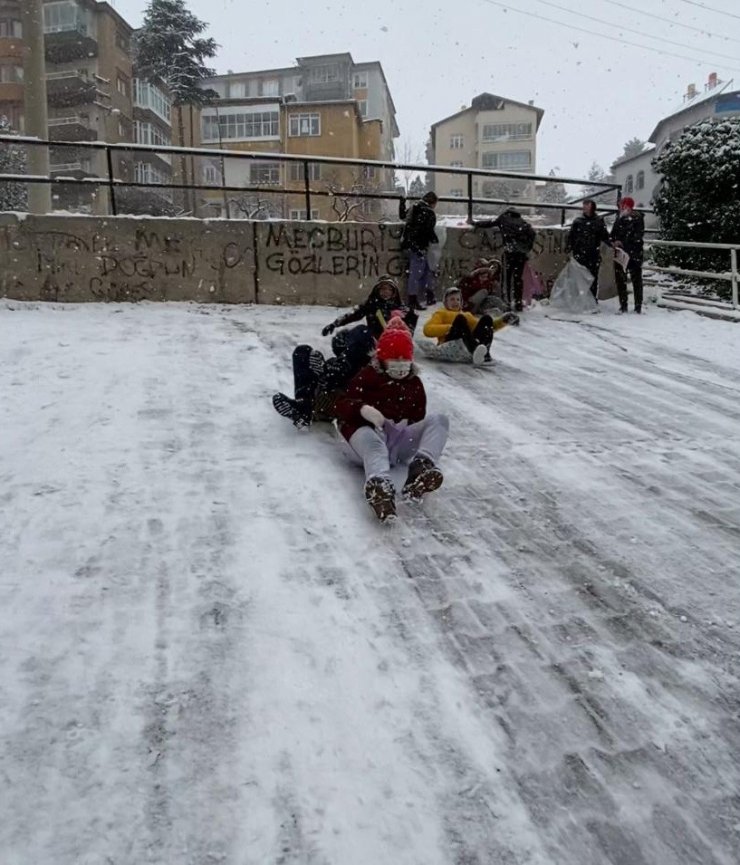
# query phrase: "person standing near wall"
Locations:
[[628, 233], [586, 235], [418, 235]]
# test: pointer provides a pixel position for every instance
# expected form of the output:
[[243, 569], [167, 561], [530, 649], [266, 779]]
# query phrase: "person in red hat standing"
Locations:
[[628, 233], [383, 421]]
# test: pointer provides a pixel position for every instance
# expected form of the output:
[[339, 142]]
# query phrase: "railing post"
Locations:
[[307, 184], [562, 217], [111, 187], [733, 264], [470, 198]]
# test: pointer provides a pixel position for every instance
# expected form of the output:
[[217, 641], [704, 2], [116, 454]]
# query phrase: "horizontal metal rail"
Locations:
[[307, 191], [731, 276]]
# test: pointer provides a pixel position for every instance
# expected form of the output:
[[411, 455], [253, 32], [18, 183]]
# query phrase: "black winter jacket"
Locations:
[[629, 230], [372, 306], [419, 233], [586, 236], [517, 234]]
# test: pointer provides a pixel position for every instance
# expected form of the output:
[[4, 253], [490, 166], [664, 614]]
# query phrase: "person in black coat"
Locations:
[[418, 235], [376, 310], [586, 235], [518, 237], [628, 233]]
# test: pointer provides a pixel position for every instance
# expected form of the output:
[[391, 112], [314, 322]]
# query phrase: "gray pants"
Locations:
[[378, 450]]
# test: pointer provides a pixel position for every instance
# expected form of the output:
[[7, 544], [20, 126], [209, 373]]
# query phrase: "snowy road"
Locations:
[[210, 653]]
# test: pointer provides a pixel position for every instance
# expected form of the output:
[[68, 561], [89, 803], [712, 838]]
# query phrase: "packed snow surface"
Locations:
[[211, 653]]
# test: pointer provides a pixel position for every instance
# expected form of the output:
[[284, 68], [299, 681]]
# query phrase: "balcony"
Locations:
[[74, 87], [72, 127], [77, 170], [64, 46]]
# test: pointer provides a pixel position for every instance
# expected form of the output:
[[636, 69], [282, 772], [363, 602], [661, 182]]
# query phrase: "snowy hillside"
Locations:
[[211, 653]]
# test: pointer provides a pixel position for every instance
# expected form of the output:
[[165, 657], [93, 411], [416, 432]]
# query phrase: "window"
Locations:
[[270, 87], [369, 172], [145, 172], [324, 74], [314, 171], [362, 105], [304, 124], [508, 160], [628, 185], [148, 96], [238, 89], [123, 42], [11, 74], [507, 131], [11, 27], [264, 173], [239, 124], [640, 182], [148, 133], [456, 142], [359, 80], [456, 193], [456, 165], [122, 85], [64, 16], [211, 174], [301, 214]]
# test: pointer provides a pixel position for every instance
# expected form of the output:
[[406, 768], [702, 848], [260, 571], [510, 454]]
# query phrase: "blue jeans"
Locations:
[[421, 278]]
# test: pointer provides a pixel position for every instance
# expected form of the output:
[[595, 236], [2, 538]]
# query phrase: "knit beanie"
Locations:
[[395, 342], [628, 202]]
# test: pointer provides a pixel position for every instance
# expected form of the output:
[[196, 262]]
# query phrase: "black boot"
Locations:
[[298, 411], [423, 477], [381, 496]]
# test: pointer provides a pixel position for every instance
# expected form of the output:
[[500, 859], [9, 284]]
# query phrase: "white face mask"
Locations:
[[398, 368]]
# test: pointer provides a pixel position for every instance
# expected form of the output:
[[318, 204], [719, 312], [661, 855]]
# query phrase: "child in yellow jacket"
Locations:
[[451, 324]]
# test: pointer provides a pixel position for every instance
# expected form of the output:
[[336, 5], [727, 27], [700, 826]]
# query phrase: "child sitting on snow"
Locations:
[[318, 381], [481, 288], [462, 335], [376, 310], [383, 421]]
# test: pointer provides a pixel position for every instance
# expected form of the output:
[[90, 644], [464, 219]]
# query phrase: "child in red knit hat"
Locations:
[[383, 421]]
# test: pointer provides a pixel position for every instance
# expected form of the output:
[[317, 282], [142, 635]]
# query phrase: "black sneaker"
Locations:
[[423, 477], [296, 411], [316, 362], [381, 496], [638, 310]]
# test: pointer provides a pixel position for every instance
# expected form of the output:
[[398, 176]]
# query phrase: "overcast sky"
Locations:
[[596, 93]]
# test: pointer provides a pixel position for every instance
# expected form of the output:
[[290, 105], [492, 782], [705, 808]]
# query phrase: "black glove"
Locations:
[[511, 318], [330, 328]]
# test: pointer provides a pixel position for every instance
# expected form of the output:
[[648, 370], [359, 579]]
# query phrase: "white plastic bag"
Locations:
[[572, 290], [449, 352]]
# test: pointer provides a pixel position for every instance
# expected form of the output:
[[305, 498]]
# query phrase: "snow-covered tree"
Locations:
[[417, 188], [553, 192], [633, 147], [13, 196], [699, 197], [170, 47]]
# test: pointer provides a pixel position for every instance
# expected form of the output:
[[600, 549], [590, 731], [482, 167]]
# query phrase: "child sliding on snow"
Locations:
[[376, 310], [473, 335], [383, 421]]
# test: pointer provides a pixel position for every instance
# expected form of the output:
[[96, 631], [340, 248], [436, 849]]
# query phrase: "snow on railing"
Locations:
[[731, 276]]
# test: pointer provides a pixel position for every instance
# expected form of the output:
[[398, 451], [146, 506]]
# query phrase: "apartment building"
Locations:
[[92, 94], [493, 133], [326, 105], [715, 101]]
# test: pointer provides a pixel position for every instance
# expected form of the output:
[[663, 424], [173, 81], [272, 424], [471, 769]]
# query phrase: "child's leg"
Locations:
[[425, 439], [483, 332], [304, 375], [459, 329], [370, 450]]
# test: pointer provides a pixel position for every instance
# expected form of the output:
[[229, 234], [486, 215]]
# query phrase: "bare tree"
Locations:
[[347, 200], [409, 154]]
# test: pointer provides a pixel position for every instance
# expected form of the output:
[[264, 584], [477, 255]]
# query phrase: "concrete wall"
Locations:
[[80, 258]]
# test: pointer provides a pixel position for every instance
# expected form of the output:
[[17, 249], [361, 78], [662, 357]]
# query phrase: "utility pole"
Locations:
[[36, 119]]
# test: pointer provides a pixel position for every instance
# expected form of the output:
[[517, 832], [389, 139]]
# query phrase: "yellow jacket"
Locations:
[[440, 323]]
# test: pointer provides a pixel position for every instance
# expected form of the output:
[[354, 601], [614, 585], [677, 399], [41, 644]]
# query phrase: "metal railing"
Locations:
[[732, 276], [308, 191]]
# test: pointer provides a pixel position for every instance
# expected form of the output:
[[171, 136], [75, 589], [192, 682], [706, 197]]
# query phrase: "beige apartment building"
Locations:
[[326, 105], [92, 94], [493, 133]]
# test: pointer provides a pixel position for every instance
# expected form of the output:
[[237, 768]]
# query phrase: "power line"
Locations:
[[673, 22], [711, 9], [732, 57], [508, 8]]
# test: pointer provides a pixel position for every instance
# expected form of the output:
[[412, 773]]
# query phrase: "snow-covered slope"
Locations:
[[210, 652]]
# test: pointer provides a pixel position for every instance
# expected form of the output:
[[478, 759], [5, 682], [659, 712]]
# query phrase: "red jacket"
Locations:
[[397, 399]]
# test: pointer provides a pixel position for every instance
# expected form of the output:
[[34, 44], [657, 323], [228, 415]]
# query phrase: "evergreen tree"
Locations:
[[699, 197], [633, 147], [417, 187], [169, 47], [13, 196]]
